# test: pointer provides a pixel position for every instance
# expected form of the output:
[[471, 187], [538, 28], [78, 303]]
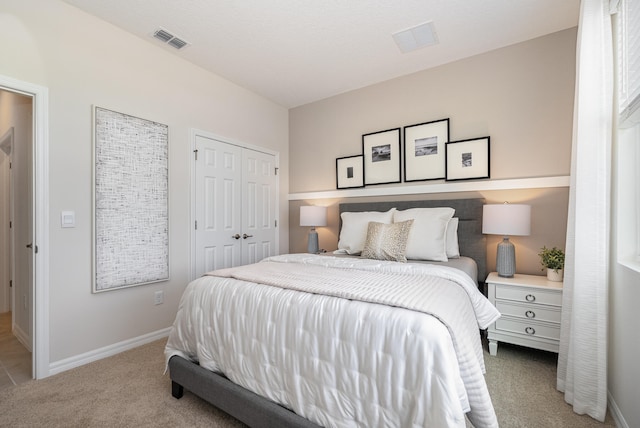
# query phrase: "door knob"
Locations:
[[245, 236], [30, 245], [236, 236]]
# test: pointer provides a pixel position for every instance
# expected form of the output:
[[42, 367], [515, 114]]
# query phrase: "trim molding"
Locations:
[[448, 187], [107, 351], [22, 337], [616, 413]]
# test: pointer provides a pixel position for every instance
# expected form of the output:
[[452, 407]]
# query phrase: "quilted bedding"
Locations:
[[344, 342]]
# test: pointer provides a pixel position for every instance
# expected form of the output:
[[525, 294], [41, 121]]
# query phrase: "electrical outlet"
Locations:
[[24, 300], [158, 297]]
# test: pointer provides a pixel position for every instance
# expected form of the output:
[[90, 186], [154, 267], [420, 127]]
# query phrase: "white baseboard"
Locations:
[[108, 351], [22, 337], [615, 412]]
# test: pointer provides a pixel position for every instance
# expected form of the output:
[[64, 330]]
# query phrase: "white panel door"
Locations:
[[259, 206], [218, 187], [235, 205]]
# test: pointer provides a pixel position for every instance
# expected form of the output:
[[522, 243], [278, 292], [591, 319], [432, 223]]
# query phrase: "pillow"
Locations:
[[453, 249], [427, 238], [354, 229], [387, 241]]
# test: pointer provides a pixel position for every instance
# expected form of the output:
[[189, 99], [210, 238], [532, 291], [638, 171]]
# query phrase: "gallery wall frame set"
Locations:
[[130, 201], [427, 154]]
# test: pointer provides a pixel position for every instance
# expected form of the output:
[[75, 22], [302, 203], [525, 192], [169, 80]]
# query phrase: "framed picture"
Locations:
[[424, 150], [467, 159], [349, 172], [131, 215], [381, 152]]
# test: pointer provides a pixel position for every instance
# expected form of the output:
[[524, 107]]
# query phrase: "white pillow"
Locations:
[[427, 238], [354, 229], [453, 249]]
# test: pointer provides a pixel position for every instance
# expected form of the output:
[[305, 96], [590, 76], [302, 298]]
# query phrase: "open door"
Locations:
[[6, 229]]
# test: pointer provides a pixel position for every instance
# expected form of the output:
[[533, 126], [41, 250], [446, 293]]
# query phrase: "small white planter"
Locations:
[[553, 275]]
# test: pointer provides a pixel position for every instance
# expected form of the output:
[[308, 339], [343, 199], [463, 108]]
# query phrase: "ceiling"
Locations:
[[294, 52]]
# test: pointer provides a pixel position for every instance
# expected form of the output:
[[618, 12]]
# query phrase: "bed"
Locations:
[[342, 340]]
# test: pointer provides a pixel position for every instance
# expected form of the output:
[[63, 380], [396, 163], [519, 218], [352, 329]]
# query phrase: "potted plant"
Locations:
[[553, 260]]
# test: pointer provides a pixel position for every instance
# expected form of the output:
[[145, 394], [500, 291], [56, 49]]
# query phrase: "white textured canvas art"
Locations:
[[131, 228]]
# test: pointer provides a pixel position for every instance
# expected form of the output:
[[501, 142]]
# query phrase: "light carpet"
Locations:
[[130, 390]]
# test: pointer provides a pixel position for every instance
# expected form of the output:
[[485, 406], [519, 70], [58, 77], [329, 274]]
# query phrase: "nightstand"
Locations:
[[530, 306]]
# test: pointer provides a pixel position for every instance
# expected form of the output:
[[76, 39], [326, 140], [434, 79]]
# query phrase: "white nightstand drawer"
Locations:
[[528, 295], [529, 329], [531, 308], [529, 312]]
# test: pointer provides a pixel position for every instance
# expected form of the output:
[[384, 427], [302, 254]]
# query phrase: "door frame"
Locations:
[[40, 225], [193, 133]]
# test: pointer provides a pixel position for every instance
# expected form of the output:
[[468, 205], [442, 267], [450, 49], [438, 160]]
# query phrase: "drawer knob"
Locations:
[[530, 298], [530, 330], [530, 314]]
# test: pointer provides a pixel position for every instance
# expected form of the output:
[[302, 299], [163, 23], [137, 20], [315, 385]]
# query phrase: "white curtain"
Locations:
[[582, 361]]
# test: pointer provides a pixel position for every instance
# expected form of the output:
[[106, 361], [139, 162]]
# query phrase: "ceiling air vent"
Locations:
[[416, 37], [177, 43], [169, 38]]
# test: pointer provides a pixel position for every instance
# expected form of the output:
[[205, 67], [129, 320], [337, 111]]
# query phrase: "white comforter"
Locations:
[[353, 357]]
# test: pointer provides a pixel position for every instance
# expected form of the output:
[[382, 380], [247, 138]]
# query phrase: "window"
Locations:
[[628, 58], [627, 52]]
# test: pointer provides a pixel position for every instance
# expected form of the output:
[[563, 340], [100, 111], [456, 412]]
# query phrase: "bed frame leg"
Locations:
[[176, 390]]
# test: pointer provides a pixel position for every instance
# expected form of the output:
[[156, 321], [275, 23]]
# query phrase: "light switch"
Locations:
[[68, 219]]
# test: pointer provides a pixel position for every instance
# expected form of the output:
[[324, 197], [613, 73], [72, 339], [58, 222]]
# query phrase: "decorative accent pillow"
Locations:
[[387, 241], [453, 248], [354, 229], [427, 239]]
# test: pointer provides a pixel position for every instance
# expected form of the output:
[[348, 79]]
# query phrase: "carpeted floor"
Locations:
[[130, 390], [522, 385]]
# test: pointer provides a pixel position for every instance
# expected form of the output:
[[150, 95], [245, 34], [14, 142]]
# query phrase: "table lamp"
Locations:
[[313, 216], [506, 220]]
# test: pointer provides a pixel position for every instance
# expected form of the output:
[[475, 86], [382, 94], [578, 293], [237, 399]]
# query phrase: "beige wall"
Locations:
[[548, 222], [84, 62], [624, 286], [624, 338], [521, 96]]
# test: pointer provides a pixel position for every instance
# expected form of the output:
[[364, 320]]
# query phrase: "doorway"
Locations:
[[16, 236], [24, 105]]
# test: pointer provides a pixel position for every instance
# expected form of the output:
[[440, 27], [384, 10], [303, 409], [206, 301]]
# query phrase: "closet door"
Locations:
[[218, 193], [258, 208], [235, 205]]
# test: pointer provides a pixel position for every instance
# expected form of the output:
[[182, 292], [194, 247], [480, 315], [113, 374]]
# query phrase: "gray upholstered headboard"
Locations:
[[472, 242]]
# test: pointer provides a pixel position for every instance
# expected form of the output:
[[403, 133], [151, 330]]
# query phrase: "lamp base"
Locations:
[[506, 258], [312, 245]]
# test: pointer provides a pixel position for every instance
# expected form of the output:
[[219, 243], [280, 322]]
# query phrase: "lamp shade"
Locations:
[[506, 219], [313, 215]]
